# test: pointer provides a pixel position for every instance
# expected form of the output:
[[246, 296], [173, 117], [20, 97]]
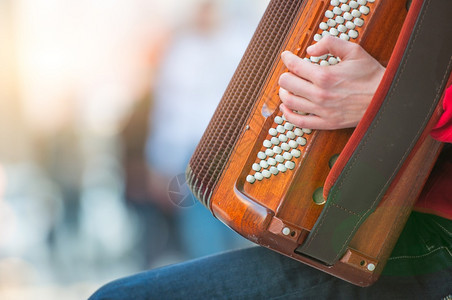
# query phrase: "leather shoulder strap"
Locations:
[[406, 109]]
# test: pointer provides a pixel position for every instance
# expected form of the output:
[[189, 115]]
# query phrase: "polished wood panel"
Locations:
[[289, 195]]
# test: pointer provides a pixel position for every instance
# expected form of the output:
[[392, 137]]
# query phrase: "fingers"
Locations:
[[299, 86], [304, 121], [299, 67], [333, 96], [294, 102], [306, 70], [332, 45]]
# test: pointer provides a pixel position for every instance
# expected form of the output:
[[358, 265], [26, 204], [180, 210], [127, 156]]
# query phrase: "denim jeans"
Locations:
[[420, 267]]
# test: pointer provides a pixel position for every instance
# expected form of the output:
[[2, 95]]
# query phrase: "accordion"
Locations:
[[336, 200]]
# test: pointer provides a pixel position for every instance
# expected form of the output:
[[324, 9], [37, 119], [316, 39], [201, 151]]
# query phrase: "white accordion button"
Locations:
[[285, 146], [274, 170], [301, 140], [331, 61], [290, 134], [344, 37], [317, 37], [371, 267], [280, 129], [272, 132], [271, 161], [337, 10], [261, 155], [282, 168], [258, 176], [356, 13], [267, 144], [334, 31], [250, 179], [323, 26], [295, 153], [290, 165], [293, 144], [274, 141], [277, 149], [329, 14], [334, 2], [287, 156], [306, 130], [340, 20], [362, 2], [348, 16], [298, 131], [358, 22], [256, 167], [282, 138], [264, 164], [331, 23], [345, 7], [353, 34], [266, 173], [269, 152], [314, 59], [324, 63], [286, 231], [278, 120], [288, 126], [342, 28], [364, 10], [279, 158], [353, 4], [350, 25]]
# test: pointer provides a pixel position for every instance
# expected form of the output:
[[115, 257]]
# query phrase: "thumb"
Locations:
[[331, 45]]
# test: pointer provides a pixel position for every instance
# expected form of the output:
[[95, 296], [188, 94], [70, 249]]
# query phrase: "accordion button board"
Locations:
[[266, 178], [281, 149]]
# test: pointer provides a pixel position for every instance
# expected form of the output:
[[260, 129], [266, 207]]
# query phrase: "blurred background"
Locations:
[[101, 105]]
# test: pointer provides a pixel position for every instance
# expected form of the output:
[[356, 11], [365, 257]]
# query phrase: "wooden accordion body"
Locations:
[[274, 196]]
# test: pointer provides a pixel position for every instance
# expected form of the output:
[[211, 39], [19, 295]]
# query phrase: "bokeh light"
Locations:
[[81, 201]]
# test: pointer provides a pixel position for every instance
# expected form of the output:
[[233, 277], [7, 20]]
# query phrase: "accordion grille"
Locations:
[[219, 139]]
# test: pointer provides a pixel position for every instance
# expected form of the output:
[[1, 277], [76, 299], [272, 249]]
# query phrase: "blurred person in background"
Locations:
[[197, 65]]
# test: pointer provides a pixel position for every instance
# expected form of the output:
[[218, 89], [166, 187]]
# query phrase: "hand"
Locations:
[[334, 96]]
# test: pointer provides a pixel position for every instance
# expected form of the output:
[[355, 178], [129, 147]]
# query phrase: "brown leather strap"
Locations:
[[405, 111]]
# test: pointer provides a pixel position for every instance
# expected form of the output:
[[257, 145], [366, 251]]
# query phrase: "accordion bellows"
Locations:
[[217, 143]]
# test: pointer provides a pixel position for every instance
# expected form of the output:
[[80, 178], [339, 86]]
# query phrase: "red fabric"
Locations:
[[436, 197], [443, 129]]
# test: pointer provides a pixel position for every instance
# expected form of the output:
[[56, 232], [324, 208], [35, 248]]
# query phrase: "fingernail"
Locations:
[[281, 91]]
